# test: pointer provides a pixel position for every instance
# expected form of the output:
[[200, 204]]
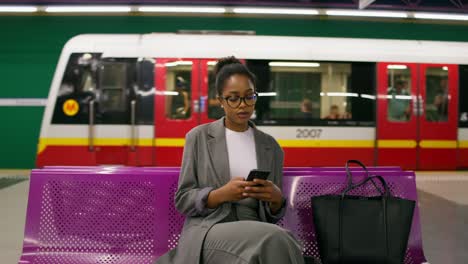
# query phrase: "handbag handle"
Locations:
[[386, 193], [349, 175]]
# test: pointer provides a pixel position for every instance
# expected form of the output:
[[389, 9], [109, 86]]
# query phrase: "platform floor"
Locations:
[[443, 203]]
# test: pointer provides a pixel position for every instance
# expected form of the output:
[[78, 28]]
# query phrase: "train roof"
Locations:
[[269, 47]]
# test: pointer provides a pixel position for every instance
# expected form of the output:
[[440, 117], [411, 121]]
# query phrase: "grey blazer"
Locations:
[[205, 166]]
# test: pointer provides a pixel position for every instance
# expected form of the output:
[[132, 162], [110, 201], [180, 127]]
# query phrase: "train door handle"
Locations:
[[203, 102], [421, 106], [415, 106], [91, 126], [133, 134], [418, 105], [196, 106]]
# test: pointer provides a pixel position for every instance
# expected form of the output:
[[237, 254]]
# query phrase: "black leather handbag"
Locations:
[[362, 230]]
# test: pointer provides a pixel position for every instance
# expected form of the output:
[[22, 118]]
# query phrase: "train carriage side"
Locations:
[[129, 103]]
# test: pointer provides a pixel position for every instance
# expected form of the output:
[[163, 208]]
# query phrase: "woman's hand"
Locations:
[[230, 192], [267, 191]]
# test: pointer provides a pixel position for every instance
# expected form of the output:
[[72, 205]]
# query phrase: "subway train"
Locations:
[[130, 99]]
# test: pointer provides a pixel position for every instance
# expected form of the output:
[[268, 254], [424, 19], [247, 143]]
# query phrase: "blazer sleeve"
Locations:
[[277, 168], [190, 198]]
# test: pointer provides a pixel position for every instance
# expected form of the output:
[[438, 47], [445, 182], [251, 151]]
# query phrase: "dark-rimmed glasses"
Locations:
[[234, 101]]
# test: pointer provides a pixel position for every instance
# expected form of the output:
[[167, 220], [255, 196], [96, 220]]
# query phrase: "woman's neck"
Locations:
[[235, 127]]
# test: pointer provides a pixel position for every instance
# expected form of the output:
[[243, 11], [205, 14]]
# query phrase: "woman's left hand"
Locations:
[[266, 191]]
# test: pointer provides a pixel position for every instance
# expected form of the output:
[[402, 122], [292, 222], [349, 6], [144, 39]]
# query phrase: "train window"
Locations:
[[77, 89], [437, 94], [109, 83], [145, 92], [113, 84], [398, 93], [314, 92], [178, 89], [214, 106], [116, 89], [463, 96]]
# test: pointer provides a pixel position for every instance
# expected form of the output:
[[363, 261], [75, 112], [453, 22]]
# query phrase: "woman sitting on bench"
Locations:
[[231, 220]]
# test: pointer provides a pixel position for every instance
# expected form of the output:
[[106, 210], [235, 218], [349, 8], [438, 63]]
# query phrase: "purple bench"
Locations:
[[101, 168], [382, 168], [299, 214], [126, 215], [119, 217]]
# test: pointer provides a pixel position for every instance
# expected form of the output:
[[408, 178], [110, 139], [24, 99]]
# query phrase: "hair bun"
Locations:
[[225, 61]]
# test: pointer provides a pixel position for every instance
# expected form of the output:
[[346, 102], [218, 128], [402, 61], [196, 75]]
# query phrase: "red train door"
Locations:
[[177, 107], [438, 121], [210, 107], [397, 112], [417, 115]]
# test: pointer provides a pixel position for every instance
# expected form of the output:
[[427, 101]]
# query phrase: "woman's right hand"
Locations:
[[233, 190], [230, 192]]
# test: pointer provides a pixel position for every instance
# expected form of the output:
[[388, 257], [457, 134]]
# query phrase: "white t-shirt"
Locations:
[[241, 152]]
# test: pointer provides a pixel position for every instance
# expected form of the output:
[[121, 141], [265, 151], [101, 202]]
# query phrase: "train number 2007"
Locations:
[[308, 133]]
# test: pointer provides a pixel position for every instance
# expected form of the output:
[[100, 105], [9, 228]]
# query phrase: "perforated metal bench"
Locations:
[[298, 217], [126, 215]]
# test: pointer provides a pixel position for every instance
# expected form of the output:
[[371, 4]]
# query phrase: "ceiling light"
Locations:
[[181, 9], [368, 96], [177, 63], [293, 64], [440, 16], [342, 94], [267, 94], [17, 9], [167, 93], [366, 13], [403, 97], [275, 11], [397, 67], [88, 9]]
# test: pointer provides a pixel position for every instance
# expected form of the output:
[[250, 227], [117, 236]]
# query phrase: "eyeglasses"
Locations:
[[235, 101]]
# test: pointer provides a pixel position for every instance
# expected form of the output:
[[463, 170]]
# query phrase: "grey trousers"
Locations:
[[250, 242]]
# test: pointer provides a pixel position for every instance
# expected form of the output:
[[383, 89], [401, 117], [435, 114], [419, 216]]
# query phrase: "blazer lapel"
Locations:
[[263, 150], [217, 148]]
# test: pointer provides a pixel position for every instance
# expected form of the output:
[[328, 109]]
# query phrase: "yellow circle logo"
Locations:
[[71, 107]]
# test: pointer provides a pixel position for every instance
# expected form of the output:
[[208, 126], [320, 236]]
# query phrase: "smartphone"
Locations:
[[258, 174]]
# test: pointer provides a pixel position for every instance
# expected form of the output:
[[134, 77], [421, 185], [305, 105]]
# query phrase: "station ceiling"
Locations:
[[458, 6]]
